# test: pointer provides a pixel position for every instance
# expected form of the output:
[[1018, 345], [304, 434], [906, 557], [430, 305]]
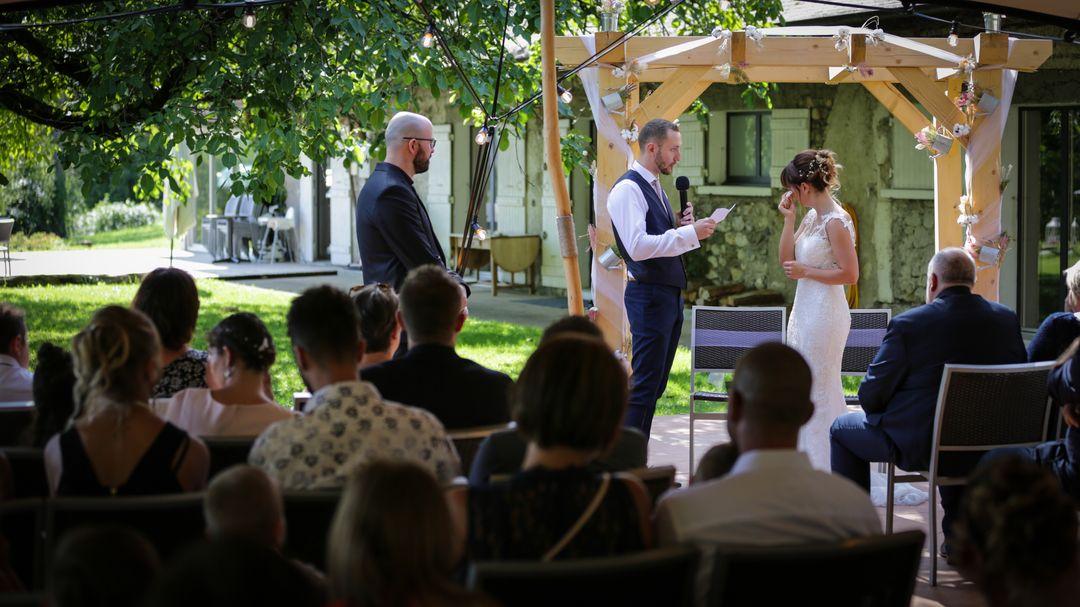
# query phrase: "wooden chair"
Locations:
[[979, 408], [878, 570], [467, 442], [655, 577]]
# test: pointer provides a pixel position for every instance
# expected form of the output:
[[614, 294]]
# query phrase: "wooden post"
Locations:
[[608, 285], [948, 187], [564, 218], [990, 49]]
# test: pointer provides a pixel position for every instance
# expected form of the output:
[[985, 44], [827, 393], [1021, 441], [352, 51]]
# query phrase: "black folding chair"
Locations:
[[878, 570], [226, 451], [308, 516], [864, 340], [656, 577], [467, 442], [22, 523], [27, 471]]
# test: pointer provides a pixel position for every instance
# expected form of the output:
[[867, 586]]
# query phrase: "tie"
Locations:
[[663, 201]]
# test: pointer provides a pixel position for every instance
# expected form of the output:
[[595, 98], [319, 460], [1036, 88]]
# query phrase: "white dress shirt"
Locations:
[[770, 498], [627, 207], [16, 382]]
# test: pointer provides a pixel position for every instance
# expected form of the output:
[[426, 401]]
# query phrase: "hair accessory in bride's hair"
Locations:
[[816, 166]]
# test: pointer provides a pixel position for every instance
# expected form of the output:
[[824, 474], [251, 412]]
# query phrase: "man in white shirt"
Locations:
[[346, 423], [16, 381], [651, 241], [772, 496]]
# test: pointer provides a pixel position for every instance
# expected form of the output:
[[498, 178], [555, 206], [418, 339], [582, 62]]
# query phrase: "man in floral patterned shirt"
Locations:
[[346, 422]]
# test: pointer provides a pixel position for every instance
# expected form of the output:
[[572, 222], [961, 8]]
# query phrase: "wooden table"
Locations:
[[511, 253]]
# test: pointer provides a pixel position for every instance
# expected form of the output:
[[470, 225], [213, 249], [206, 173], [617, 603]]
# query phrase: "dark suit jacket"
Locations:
[[899, 393], [503, 452], [458, 391], [393, 228]]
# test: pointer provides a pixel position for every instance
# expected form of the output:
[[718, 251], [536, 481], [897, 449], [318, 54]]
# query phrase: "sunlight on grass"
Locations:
[[151, 236], [57, 313]]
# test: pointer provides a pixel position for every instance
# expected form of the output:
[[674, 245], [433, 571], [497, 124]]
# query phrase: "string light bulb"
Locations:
[[428, 39], [954, 37], [565, 95], [248, 20], [479, 232], [483, 136]]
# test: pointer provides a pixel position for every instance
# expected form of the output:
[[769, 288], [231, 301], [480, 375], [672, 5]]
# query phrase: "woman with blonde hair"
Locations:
[[115, 445], [393, 541], [820, 255]]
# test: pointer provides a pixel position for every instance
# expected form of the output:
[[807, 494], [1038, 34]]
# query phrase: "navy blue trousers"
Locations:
[[856, 443], [1062, 457], [655, 313]]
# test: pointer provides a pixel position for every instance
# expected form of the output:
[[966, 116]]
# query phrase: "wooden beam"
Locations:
[[610, 165], [857, 49], [674, 96], [806, 75], [564, 214], [948, 187], [898, 105], [931, 94], [818, 51]]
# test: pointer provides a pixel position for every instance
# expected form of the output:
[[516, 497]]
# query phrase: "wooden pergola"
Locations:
[[877, 65]]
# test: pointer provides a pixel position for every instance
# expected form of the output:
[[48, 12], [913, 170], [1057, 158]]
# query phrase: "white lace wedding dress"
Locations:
[[818, 329]]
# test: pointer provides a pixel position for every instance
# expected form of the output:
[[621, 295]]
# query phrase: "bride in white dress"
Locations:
[[820, 255]]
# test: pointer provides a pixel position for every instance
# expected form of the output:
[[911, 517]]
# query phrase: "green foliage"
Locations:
[[38, 241], [109, 216], [144, 237], [315, 77]]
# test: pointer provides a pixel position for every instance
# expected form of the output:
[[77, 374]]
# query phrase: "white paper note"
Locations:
[[721, 214]]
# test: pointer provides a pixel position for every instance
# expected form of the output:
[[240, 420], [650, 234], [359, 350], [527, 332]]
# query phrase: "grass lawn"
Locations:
[[125, 238], [57, 313]]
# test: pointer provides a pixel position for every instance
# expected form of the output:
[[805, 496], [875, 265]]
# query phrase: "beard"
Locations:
[[665, 168], [421, 163]]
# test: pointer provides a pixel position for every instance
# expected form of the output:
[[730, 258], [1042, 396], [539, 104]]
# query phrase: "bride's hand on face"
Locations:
[[787, 207], [794, 270]]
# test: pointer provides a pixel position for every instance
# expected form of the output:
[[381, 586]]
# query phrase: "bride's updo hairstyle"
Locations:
[[109, 354], [815, 167]]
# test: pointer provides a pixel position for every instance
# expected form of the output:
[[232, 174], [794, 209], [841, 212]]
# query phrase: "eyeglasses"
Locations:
[[431, 141]]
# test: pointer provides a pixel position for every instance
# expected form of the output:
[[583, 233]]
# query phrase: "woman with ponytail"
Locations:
[[114, 444]]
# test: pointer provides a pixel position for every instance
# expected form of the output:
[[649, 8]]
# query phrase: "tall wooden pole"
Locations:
[[564, 218]]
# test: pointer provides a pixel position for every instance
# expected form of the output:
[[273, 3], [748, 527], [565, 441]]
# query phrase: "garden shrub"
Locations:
[[108, 216]]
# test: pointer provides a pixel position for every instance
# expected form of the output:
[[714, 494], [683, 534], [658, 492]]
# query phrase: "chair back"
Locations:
[[21, 525], [247, 207], [467, 442], [231, 206], [657, 480], [982, 407], [7, 224], [24, 599], [226, 451], [27, 471], [308, 516], [15, 418], [721, 335], [654, 577], [864, 340], [169, 522], [877, 571]]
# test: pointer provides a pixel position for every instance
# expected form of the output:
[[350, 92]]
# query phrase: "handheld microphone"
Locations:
[[682, 184]]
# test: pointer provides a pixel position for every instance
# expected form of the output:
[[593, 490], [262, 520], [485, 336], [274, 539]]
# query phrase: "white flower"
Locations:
[[961, 130], [725, 70], [630, 135], [618, 72], [875, 37], [842, 38], [755, 34]]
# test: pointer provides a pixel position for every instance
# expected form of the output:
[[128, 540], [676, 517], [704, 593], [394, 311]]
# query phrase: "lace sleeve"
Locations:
[[807, 223], [843, 218]]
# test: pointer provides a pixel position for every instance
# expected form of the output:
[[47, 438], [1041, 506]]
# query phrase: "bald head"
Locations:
[[949, 267], [244, 502], [405, 125], [772, 385]]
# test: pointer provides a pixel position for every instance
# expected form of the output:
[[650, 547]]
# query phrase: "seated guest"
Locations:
[[242, 502], [169, 297], [233, 573], [502, 452], [16, 381], [392, 541], [377, 305], [569, 404], [1059, 329], [900, 390], [772, 495], [116, 445], [54, 382], [1016, 537], [461, 393], [95, 566], [717, 462], [346, 422], [240, 351]]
